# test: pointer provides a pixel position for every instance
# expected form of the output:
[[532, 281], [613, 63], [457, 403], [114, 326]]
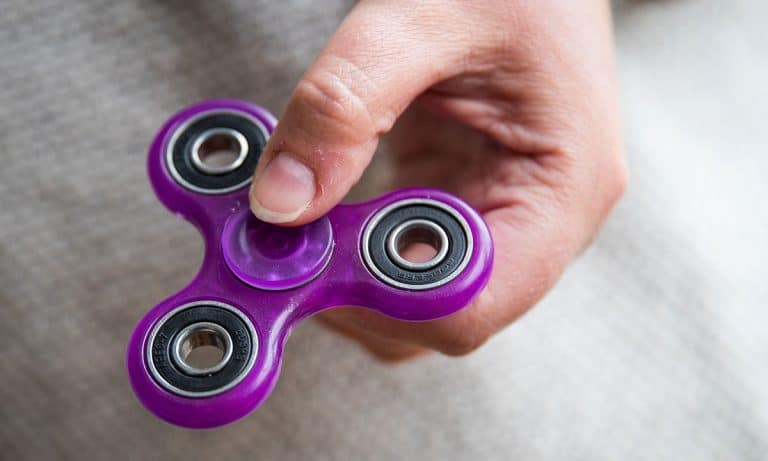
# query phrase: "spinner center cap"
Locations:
[[275, 258]]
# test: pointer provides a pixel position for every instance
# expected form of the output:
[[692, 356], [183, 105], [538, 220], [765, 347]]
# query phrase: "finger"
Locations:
[[379, 60]]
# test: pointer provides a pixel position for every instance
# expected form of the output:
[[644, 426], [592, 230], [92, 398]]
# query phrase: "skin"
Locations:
[[509, 104]]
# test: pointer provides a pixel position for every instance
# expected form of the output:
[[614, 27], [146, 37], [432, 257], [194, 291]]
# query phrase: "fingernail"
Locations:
[[283, 190]]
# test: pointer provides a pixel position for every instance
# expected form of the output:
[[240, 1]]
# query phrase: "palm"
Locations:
[[519, 119]]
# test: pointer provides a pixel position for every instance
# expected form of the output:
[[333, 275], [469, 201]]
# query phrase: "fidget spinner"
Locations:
[[258, 281]]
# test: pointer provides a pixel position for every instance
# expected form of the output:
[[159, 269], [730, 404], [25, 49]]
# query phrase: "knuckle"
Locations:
[[464, 343], [333, 102], [328, 97], [618, 177]]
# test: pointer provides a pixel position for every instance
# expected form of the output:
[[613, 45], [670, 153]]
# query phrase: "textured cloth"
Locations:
[[652, 346]]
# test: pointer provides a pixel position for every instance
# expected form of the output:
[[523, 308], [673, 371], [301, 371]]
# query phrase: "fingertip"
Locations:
[[282, 190]]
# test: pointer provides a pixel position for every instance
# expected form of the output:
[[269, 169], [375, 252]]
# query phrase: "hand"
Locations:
[[507, 103]]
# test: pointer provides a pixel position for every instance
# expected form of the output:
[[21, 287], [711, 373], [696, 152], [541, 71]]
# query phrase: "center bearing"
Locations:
[[202, 323]]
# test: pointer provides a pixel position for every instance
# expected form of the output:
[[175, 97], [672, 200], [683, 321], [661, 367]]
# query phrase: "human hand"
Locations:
[[509, 104]]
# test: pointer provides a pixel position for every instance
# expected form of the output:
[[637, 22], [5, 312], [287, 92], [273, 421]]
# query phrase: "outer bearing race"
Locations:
[[452, 229], [182, 156], [234, 329]]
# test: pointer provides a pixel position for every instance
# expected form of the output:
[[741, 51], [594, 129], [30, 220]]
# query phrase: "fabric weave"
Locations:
[[652, 346]]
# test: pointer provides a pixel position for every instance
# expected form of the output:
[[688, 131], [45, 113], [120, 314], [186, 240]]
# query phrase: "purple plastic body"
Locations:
[[278, 276]]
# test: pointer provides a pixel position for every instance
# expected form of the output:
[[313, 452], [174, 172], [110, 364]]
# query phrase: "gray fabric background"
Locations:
[[653, 346]]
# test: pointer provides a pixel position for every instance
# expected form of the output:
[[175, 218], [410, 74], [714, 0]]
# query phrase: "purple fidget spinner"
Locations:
[[257, 281]]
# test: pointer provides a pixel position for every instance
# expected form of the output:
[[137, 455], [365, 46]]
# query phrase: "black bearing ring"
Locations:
[[163, 339], [179, 154], [383, 265]]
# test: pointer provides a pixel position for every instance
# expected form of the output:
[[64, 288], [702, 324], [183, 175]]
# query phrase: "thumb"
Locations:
[[379, 60]]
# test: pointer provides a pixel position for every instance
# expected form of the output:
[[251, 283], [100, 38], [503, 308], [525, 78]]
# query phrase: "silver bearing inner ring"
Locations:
[[201, 334], [417, 231], [222, 143]]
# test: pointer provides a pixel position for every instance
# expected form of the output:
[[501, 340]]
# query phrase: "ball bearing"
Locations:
[[204, 323], [216, 152], [395, 227]]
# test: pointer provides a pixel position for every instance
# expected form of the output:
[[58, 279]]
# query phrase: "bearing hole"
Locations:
[[418, 244], [219, 151], [203, 348]]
